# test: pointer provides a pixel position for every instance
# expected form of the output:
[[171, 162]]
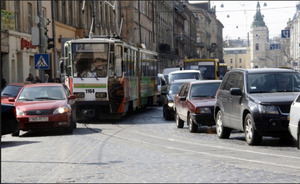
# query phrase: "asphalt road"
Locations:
[[144, 148]]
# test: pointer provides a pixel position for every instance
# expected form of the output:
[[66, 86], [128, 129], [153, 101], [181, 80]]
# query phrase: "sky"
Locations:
[[237, 16]]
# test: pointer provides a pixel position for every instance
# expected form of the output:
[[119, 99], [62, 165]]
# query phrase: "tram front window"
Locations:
[[90, 60]]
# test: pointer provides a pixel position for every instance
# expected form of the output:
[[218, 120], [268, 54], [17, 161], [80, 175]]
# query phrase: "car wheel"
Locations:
[[222, 132], [251, 135], [70, 128], [73, 120], [193, 127], [168, 116], [179, 122], [16, 133]]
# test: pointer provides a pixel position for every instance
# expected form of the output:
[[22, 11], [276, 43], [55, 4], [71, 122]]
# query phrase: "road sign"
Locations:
[[285, 33], [41, 61]]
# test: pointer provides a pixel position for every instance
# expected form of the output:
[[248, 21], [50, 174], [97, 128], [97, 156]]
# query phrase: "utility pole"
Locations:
[[54, 40], [42, 48]]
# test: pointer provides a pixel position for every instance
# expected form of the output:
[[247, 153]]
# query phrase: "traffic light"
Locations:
[[45, 40], [50, 45]]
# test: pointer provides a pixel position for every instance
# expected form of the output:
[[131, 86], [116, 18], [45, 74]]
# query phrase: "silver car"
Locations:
[[294, 125]]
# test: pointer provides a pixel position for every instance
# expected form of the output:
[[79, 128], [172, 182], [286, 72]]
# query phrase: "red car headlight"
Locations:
[[19, 112], [62, 110]]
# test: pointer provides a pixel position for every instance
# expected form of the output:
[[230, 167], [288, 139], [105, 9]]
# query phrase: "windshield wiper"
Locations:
[[200, 96], [93, 73], [26, 99], [46, 98]]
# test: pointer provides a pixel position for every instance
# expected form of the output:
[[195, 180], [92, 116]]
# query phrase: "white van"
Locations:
[[166, 71], [184, 74]]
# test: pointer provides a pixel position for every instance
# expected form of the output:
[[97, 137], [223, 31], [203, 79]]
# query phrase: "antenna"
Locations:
[[121, 27], [91, 30], [83, 4]]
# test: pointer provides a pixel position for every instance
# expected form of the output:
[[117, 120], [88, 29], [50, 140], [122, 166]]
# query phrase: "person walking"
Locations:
[[30, 78], [37, 80]]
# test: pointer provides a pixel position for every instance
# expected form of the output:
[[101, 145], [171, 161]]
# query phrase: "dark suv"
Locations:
[[256, 101]]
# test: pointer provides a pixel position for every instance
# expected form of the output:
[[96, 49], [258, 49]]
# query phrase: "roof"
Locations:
[[183, 80], [265, 70], [16, 84], [44, 84], [258, 18], [186, 71], [205, 81], [235, 48]]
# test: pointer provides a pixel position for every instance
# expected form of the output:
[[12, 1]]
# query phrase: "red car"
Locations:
[[45, 106], [11, 90], [195, 103]]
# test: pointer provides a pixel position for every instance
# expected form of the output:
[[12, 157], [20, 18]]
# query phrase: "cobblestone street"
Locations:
[[140, 149]]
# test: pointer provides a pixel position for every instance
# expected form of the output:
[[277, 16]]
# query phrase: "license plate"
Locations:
[[31, 119]]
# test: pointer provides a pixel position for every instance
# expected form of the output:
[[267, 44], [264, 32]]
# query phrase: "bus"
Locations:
[[109, 77], [208, 67], [223, 69]]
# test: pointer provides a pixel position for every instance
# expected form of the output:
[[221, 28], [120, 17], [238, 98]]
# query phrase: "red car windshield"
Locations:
[[42, 93]]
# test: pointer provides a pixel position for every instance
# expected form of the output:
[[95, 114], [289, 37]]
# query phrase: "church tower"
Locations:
[[259, 38]]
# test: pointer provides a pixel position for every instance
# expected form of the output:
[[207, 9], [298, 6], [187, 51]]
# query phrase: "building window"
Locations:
[[44, 12], [71, 13], [17, 15], [64, 13], [55, 4], [240, 60], [231, 60], [256, 46], [29, 17], [3, 5]]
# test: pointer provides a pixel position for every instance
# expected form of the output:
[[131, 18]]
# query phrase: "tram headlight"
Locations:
[[79, 95], [101, 95]]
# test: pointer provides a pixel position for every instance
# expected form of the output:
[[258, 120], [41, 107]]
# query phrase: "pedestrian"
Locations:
[[37, 80], [57, 80], [30, 78], [46, 78], [3, 83]]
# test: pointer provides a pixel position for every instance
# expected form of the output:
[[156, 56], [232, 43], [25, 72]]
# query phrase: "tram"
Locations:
[[109, 77]]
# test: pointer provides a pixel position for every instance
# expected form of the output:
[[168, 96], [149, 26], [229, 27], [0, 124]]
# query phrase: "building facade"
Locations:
[[170, 28], [261, 52]]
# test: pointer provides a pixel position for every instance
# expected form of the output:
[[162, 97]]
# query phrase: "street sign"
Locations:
[[41, 61], [275, 46], [285, 33]]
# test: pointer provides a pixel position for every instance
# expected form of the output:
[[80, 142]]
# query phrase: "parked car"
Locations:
[[294, 125], [11, 90], [256, 101], [168, 98], [195, 103], [45, 106], [9, 122], [166, 72]]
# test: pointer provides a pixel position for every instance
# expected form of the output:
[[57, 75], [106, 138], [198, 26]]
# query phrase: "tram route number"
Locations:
[[90, 90]]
